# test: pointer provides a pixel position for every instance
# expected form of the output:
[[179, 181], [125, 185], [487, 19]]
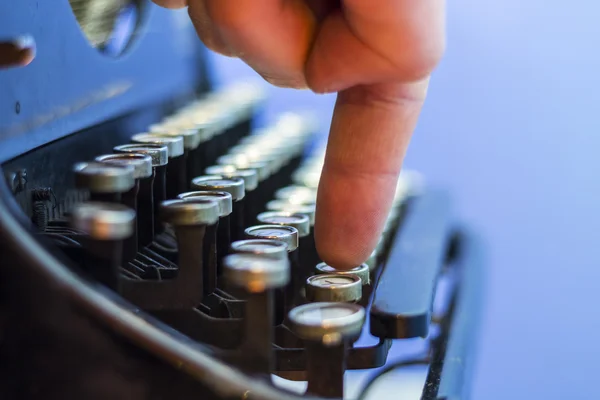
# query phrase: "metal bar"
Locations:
[[404, 293]]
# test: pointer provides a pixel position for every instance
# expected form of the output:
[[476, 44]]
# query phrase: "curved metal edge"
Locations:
[[114, 313]]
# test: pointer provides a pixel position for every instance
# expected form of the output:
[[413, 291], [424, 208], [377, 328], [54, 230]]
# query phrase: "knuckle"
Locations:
[[419, 62], [316, 79]]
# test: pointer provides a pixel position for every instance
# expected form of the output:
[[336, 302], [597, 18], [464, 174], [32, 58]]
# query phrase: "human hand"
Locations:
[[377, 54]]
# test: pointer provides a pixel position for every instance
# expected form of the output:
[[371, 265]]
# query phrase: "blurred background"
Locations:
[[511, 129]]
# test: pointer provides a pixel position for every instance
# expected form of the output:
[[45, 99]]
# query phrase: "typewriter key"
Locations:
[[152, 192], [288, 235], [334, 288], [327, 323], [305, 209], [261, 247], [307, 177], [192, 137], [256, 273], [306, 239], [105, 182], [195, 226], [142, 166], [362, 271], [261, 167], [258, 276], [236, 188], [250, 178], [176, 169], [327, 329], [297, 194], [105, 226], [223, 229]]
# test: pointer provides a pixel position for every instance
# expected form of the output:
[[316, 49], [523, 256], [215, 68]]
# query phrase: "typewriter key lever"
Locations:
[[289, 235], [258, 276], [191, 221], [105, 226], [328, 330], [251, 181], [225, 203], [176, 180], [105, 182], [142, 171], [236, 188], [152, 191]]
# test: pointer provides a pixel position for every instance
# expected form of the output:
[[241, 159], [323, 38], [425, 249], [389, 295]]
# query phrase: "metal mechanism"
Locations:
[[159, 244]]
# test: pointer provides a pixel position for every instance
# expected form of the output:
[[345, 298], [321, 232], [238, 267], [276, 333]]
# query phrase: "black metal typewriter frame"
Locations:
[[36, 267]]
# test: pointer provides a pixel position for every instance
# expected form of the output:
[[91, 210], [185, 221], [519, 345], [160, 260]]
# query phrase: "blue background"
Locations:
[[511, 128]]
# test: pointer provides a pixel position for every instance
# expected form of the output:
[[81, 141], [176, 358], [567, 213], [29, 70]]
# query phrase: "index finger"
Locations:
[[370, 133], [378, 55]]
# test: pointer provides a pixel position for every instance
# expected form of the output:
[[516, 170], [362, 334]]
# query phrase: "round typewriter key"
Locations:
[[309, 178], [236, 188], [327, 330], [233, 186], [288, 235], [250, 178], [195, 224], [176, 169], [103, 221], [105, 226], [256, 273], [141, 163], [261, 167], [297, 194], [142, 172], [309, 256], [298, 221], [152, 190], [173, 143], [362, 271], [262, 247], [305, 209], [223, 230], [159, 154], [192, 137], [327, 322], [223, 199], [258, 276], [220, 169], [306, 242], [334, 288], [105, 182]]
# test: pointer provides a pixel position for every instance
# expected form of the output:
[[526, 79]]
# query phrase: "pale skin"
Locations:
[[377, 55]]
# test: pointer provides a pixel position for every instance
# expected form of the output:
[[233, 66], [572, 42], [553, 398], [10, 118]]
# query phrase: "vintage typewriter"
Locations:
[[156, 244]]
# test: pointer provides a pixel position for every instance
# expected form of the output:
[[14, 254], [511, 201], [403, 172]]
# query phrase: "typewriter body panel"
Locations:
[[119, 283]]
